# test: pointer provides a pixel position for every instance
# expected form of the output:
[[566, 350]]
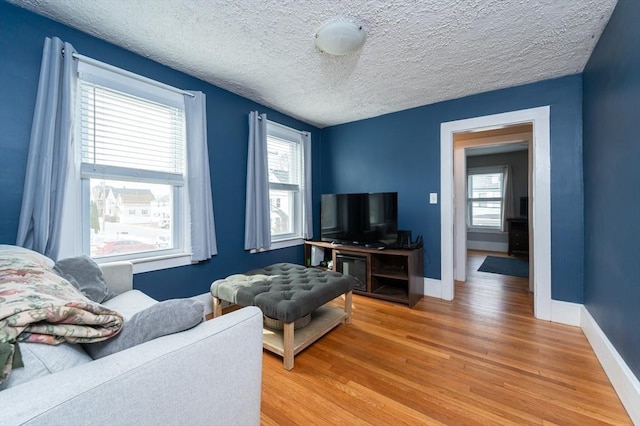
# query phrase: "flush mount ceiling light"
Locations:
[[340, 37]]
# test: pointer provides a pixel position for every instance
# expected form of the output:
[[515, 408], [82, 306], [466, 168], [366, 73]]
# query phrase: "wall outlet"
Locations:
[[433, 198]]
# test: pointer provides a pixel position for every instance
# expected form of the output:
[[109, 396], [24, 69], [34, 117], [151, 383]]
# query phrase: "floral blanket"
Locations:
[[37, 305]]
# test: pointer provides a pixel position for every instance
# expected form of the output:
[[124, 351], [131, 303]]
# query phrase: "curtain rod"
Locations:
[[284, 127], [126, 73]]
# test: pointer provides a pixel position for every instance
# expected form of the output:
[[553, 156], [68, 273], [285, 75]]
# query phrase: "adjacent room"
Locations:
[[275, 213]]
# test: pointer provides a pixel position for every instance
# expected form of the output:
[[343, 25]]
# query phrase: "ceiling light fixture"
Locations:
[[340, 37]]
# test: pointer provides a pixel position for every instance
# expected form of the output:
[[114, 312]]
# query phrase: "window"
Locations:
[[484, 198], [132, 166], [285, 164]]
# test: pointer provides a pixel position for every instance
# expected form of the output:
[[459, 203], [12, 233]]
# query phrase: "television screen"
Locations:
[[360, 219]]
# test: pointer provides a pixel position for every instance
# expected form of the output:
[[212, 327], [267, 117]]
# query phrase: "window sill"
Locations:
[[275, 245], [161, 262], [156, 263], [486, 231]]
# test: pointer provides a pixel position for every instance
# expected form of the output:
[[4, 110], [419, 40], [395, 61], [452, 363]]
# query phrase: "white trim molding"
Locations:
[[161, 262], [566, 312], [620, 375], [487, 246], [433, 288], [541, 199]]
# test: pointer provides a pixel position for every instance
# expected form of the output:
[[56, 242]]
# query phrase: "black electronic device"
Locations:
[[355, 267], [360, 219], [418, 243], [404, 240]]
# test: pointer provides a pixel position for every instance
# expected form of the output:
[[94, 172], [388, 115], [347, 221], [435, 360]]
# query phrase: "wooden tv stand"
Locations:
[[393, 275]]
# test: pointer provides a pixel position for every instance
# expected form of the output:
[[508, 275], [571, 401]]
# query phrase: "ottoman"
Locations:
[[287, 292]]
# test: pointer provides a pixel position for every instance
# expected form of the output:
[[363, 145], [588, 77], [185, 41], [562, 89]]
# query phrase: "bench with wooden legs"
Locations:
[[290, 342], [287, 292]]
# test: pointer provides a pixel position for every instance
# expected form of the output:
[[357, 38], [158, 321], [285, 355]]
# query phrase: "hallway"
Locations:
[[487, 291]]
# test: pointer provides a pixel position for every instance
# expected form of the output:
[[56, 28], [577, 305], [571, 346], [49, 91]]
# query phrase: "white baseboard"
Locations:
[[623, 380], [432, 287], [487, 246], [620, 375], [566, 312]]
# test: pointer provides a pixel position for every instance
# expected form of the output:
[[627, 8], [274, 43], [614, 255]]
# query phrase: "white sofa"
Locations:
[[210, 374]]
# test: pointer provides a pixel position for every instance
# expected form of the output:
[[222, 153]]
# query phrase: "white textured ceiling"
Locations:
[[417, 52]]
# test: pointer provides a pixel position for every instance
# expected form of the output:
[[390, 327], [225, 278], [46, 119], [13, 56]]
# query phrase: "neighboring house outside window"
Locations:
[[485, 189], [286, 171], [132, 167]]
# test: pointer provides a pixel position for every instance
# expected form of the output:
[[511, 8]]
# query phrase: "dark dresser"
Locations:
[[518, 229]]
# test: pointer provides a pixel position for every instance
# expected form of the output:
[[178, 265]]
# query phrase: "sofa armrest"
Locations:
[[209, 374], [118, 275]]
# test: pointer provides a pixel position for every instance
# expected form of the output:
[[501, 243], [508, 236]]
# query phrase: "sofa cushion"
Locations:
[[40, 359], [85, 275], [160, 319], [130, 303]]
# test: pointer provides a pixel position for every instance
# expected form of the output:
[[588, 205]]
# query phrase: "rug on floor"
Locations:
[[506, 266]]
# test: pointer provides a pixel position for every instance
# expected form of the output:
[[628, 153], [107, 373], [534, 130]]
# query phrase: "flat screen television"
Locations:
[[360, 219]]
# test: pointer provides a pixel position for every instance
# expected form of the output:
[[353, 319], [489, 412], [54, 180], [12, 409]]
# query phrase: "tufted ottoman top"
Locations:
[[283, 291]]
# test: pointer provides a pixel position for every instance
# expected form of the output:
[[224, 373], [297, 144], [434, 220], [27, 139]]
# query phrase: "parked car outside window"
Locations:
[[123, 247]]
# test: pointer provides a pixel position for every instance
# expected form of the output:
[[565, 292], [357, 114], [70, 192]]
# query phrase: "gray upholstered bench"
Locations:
[[287, 292]]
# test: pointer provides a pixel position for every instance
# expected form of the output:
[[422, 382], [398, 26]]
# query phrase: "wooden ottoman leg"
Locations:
[[217, 307], [347, 306], [288, 345]]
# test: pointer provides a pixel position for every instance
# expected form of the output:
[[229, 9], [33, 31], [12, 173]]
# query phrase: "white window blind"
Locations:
[[284, 161], [132, 155], [129, 136]]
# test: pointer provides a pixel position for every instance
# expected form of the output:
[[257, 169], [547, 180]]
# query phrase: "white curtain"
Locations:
[[307, 231], [49, 150], [203, 230], [508, 210], [257, 230]]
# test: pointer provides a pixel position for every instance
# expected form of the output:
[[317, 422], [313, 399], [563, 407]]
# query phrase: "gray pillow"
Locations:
[[160, 319], [85, 275]]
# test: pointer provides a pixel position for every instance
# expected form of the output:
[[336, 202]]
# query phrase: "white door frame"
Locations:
[[540, 198]]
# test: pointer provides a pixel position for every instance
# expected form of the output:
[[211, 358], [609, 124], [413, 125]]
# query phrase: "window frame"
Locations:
[[469, 210], [287, 134], [134, 85]]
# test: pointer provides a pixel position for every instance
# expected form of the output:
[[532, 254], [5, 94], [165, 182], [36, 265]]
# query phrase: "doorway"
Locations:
[[493, 167], [540, 199]]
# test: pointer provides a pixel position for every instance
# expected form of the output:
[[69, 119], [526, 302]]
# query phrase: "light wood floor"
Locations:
[[481, 359]]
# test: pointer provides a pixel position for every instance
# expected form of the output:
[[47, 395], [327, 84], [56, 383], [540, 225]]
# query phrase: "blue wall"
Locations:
[[401, 152], [396, 152], [22, 36], [612, 182]]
